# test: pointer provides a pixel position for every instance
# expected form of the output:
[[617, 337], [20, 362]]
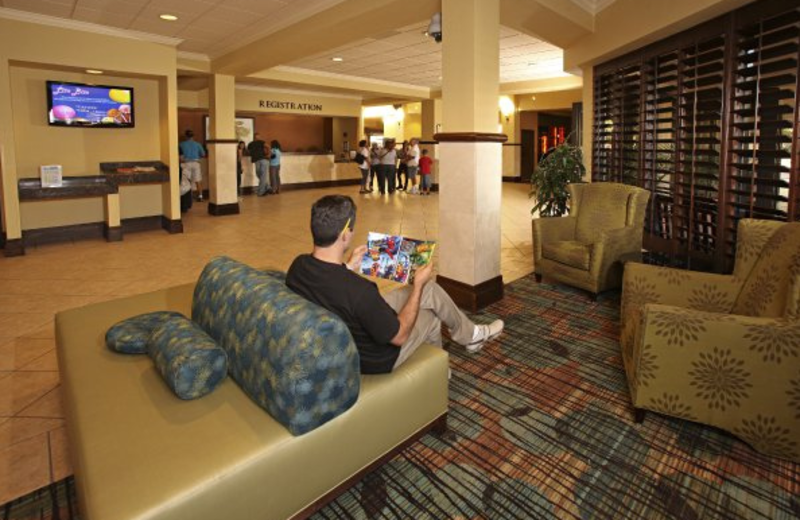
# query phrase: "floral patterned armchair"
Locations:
[[585, 249], [721, 350]]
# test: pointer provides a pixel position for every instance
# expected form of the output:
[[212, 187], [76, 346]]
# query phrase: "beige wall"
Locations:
[[247, 100], [560, 100], [81, 150], [31, 53]]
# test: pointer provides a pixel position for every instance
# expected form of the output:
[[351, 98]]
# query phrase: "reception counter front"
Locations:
[[307, 170]]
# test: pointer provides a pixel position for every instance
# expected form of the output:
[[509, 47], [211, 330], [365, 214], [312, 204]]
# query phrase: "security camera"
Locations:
[[435, 27]]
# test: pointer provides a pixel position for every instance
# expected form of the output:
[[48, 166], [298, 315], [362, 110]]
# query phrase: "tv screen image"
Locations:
[[82, 105]]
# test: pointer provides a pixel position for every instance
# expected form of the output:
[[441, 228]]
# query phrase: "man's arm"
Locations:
[[408, 314]]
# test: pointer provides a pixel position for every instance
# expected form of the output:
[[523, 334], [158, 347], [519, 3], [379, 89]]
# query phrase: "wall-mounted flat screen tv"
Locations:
[[94, 106]]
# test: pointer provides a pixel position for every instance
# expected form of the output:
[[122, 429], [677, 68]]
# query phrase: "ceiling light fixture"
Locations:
[[93, 71], [337, 59], [168, 17]]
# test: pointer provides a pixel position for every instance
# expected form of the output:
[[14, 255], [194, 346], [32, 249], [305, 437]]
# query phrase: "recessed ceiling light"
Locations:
[[168, 17], [93, 71], [337, 58]]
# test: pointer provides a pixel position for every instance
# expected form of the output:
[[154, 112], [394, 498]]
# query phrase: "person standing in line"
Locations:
[[412, 164], [364, 165], [275, 166], [191, 153], [425, 166], [386, 172], [240, 153], [374, 162], [402, 169], [257, 149]]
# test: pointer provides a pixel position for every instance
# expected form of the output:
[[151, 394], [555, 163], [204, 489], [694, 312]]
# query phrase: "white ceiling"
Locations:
[[211, 27], [408, 56], [215, 27]]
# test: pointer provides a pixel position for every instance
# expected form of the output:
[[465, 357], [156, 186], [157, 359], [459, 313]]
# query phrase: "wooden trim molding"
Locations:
[[222, 141], [133, 225], [319, 184], [171, 226], [219, 210], [438, 426], [473, 297], [13, 247], [112, 234], [470, 137]]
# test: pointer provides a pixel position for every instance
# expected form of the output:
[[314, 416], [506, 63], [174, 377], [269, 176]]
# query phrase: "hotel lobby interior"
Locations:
[[650, 362]]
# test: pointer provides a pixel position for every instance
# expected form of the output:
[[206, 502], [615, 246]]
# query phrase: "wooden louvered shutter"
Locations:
[[763, 173], [616, 126], [698, 148], [717, 115], [659, 146], [603, 128]]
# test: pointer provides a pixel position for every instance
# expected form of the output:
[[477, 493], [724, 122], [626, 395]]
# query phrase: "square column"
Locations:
[[223, 193], [470, 154]]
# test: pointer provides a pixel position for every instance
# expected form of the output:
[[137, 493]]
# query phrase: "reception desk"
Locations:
[[308, 170]]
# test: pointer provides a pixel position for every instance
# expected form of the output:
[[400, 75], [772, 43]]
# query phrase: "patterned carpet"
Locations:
[[540, 427]]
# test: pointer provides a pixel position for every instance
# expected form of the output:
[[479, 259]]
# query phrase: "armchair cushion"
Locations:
[[603, 207], [766, 289], [568, 252]]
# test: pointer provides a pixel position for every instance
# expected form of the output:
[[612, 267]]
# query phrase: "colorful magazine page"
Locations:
[[394, 257]]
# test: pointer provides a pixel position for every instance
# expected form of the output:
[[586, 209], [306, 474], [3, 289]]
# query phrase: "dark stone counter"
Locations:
[[114, 175], [73, 187]]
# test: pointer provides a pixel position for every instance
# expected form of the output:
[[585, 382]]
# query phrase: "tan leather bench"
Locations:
[[140, 453]]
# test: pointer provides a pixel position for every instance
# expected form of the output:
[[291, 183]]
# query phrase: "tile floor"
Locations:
[[270, 232]]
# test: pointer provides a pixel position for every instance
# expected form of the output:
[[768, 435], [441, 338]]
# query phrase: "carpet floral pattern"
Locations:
[[540, 427]]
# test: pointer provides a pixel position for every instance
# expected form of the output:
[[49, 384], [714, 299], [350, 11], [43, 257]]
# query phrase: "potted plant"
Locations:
[[560, 166]]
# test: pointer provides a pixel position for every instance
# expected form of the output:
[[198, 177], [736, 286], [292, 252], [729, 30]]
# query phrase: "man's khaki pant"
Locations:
[[435, 307]]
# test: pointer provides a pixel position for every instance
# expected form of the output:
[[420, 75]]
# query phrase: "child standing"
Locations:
[[425, 164]]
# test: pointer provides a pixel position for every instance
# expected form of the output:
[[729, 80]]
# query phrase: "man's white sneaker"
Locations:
[[484, 333]]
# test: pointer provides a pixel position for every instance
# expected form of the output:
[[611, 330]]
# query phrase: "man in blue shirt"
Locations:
[[191, 153], [275, 166]]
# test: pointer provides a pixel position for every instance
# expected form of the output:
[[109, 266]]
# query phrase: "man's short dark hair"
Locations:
[[328, 217]]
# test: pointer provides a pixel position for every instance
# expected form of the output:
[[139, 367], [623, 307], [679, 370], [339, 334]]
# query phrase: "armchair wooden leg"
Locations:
[[538, 277], [638, 415], [439, 427]]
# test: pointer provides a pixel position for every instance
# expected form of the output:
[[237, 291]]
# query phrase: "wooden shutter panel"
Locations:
[[763, 180], [712, 117], [698, 148]]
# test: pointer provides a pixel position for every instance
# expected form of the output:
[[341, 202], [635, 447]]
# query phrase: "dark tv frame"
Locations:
[[49, 94]]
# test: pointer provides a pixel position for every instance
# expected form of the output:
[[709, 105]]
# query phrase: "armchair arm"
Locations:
[[551, 229], [734, 372], [611, 245], [691, 289]]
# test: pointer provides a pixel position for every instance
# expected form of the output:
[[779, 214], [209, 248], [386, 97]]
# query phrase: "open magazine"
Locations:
[[395, 258]]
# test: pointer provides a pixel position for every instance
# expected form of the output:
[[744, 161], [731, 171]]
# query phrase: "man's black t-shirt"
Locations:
[[357, 302], [256, 149]]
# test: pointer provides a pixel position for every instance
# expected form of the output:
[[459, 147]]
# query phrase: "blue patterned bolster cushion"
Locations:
[[293, 358], [130, 336], [191, 363]]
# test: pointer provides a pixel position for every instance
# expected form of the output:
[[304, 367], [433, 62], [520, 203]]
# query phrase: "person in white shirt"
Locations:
[[412, 161], [364, 165]]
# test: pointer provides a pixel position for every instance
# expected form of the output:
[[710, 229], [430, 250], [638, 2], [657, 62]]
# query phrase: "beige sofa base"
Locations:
[[140, 453], [438, 427]]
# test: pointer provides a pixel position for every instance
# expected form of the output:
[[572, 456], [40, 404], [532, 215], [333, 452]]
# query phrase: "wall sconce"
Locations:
[[506, 107]]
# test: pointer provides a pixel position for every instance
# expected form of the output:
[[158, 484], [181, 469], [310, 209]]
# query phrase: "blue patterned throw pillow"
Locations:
[[130, 336], [191, 363], [291, 357]]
